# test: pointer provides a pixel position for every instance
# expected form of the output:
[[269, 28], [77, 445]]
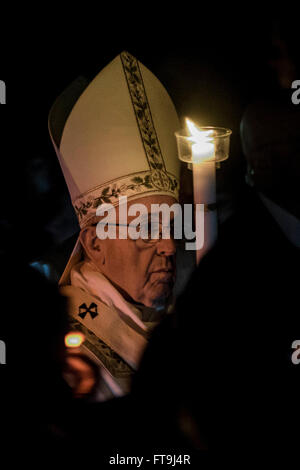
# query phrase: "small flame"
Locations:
[[202, 147], [74, 339], [196, 134]]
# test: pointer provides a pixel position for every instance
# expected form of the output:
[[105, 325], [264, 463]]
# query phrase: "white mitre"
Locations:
[[117, 139]]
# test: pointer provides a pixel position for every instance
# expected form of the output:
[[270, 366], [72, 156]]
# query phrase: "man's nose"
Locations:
[[166, 247]]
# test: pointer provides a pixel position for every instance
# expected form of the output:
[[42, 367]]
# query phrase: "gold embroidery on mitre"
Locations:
[[141, 182], [157, 178], [144, 120]]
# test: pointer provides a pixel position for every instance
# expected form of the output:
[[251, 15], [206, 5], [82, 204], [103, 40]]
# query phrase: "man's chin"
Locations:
[[161, 297]]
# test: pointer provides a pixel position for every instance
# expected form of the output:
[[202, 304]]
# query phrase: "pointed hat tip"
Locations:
[[127, 54]]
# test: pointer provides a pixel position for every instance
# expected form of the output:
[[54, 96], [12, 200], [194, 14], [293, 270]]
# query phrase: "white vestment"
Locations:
[[115, 330]]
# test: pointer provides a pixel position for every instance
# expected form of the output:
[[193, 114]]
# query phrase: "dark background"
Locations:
[[213, 62]]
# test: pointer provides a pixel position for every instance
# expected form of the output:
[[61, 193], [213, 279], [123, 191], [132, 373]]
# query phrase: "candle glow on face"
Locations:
[[202, 149]]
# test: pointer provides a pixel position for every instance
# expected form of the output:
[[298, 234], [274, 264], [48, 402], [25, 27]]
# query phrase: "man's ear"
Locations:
[[92, 244]]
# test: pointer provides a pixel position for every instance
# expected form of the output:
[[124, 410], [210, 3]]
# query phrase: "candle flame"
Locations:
[[196, 134], [203, 148], [74, 339]]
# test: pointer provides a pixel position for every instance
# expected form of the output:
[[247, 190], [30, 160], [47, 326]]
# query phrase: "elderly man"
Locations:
[[116, 139]]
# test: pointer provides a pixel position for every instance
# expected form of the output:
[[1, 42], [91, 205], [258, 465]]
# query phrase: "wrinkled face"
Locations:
[[143, 272]]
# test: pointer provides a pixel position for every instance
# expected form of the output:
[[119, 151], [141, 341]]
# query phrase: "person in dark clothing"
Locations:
[[33, 324], [44, 418], [226, 380]]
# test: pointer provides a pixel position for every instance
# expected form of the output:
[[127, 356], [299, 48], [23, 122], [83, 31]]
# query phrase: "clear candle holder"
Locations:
[[207, 137]]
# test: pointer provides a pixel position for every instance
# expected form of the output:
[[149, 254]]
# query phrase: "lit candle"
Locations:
[[74, 339], [201, 148], [204, 182]]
